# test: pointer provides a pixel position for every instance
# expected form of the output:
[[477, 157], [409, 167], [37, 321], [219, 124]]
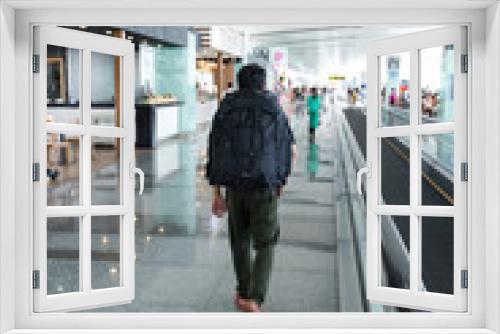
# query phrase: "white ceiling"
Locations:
[[310, 48], [323, 50], [393, 4]]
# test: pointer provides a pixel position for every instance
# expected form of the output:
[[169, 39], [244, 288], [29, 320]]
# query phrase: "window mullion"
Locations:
[[414, 172], [86, 172]]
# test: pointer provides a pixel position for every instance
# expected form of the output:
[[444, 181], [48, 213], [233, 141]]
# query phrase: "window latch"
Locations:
[[365, 170]]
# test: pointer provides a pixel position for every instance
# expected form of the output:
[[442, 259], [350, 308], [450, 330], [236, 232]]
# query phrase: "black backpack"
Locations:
[[250, 142]]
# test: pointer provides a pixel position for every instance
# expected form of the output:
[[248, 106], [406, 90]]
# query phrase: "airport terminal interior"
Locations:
[[183, 260]]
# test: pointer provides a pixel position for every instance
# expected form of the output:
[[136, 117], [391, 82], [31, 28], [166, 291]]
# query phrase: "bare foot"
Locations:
[[248, 305]]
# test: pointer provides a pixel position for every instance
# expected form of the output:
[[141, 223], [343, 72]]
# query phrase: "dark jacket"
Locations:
[[243, 149]]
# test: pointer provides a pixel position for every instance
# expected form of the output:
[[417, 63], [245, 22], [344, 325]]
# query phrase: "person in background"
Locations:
[[355, 95], [313, 107], [324, 99], [350, 96], [299, 102], [393, 97]]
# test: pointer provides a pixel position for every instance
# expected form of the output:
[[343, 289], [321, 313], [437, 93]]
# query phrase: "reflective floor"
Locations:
[[183, 261]]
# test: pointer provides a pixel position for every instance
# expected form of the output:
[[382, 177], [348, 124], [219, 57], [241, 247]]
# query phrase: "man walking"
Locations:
[[250, 153]]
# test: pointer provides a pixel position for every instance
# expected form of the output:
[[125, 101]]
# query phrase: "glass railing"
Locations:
[[351, 221], [437, 150]]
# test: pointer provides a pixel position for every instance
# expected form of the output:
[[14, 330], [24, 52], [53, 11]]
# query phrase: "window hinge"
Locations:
[[36, 279], [464, 171], [465, 64], [36, 172], [36, 63], [465, 279]]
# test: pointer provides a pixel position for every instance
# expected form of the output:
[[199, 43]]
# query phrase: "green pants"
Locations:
[[253, 220]]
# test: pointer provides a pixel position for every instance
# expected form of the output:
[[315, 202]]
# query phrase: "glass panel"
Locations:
[[395, 89], [395, 170], [105, 90], [395, 247], [105, 252], [105, 171], [437, 169], [63, 255], [63, 85], [436, 84], [437, 254], [63, 169]]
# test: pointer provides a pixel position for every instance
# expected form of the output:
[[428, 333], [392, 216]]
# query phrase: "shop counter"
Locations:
[[156, 122], [101, 113]]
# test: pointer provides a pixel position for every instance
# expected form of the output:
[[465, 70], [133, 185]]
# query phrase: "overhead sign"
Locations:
[[228, 39], [336, 77]]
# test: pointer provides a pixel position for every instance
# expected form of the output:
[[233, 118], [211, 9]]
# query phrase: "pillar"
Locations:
[[219, 80]]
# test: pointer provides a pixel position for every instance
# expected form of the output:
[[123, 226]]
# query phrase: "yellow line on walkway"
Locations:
[[432, 183]]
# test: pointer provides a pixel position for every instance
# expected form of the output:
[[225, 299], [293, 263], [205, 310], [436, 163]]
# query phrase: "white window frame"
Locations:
[[86, 44], [474, 321], [414, 297]]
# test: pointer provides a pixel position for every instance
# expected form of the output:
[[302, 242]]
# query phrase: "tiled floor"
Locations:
[[183, 260]]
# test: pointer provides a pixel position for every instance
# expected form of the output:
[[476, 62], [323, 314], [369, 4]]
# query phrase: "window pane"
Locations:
[[63, 255], [437, 169], [437, 254], [395, 171], [395, 232], [105, 252], [436, 84], [63, 169], [105, 171], [395, 89], [63, 85], [105, 90]]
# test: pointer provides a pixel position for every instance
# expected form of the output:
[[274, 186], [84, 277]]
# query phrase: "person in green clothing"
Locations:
[[313, 106], [312, 161]]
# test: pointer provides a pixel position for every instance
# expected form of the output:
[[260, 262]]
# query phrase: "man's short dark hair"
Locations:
[[252, 77]]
